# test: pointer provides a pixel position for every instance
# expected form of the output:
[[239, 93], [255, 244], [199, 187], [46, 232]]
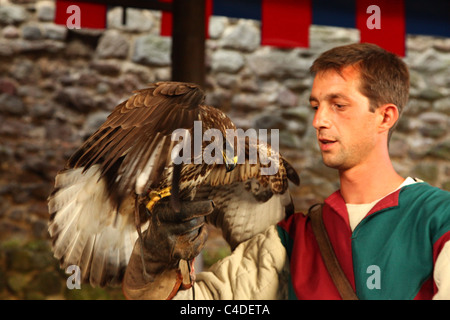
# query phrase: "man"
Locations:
[[391, 235]]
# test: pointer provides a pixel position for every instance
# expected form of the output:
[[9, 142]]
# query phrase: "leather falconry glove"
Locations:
[[172, 240]]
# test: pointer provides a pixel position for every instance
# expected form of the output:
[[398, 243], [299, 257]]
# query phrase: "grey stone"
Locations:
[[216, 26], [89, 77], [433, 124], [249, 85], [12, 14], [426, 171], [45, 10], [442, 45], [417, 106], [12, 104], [102, 88], [441, 150], [290, 140], [250, 101], [31, 32], [430, 61], [78, 48], [244, 36], [26, 71], [105, 67], [326, 37], [287, 98], [226, 80], [405, 124], [227, 61], [152, 50], [76, 98], [430, 94], [54, 31], [24, 46], [137, 20], [398, 147], [113, 45], [280, 64], [219, 98], [270, 121], [6, 49], [442, 105]]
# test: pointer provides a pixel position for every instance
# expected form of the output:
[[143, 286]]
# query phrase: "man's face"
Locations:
[[346, 129]]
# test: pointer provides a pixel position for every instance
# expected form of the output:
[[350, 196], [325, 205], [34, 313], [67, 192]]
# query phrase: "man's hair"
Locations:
[[384, 77]]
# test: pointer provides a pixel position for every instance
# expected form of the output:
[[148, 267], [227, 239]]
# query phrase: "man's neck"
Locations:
[[368, 182]]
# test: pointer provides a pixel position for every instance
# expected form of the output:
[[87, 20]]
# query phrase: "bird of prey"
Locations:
[[96, 206]]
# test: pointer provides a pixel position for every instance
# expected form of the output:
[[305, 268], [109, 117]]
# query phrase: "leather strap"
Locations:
[[334, 269]]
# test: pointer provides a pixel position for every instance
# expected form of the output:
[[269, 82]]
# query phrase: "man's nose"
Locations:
[[321, 118]]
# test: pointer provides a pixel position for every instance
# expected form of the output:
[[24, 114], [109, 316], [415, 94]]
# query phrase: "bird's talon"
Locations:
[[155, 196]]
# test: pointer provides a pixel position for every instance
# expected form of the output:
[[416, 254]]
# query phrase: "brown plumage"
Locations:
[[92, 207]]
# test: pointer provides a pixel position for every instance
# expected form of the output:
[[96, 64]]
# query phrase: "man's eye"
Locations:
[[339, 106], [315, 108]]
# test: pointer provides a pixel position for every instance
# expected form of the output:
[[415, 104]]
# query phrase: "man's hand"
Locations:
[[173, 236], [152, 272]]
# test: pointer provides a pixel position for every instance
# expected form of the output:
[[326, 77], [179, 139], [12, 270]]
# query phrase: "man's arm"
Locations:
[[257, 269], [442, 273]]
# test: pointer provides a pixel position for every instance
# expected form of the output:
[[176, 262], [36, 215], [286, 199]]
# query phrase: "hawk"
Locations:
[[103, 196]]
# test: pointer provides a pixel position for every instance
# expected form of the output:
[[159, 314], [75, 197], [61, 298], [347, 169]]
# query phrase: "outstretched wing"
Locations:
[[91, 221], [247, 201], [133, 137]]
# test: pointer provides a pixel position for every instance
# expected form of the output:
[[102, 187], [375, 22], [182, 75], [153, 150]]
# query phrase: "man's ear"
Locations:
[[388, 115]]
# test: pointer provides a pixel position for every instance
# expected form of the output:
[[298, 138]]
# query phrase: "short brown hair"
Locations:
[[384, 76]]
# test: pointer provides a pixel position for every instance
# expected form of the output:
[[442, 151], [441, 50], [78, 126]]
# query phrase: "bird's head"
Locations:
[[229, 158]]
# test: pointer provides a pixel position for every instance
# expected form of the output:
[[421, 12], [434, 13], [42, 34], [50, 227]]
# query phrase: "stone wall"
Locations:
[[58, 85]]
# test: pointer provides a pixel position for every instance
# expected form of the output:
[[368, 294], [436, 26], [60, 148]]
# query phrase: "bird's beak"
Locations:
[[230, 164]]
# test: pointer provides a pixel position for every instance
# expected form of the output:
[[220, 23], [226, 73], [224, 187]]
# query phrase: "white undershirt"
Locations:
[[441, 274], [356, 212]]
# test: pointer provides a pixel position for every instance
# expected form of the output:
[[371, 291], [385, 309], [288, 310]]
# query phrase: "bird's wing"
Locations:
[[91, 207], [247, 202], [87, 230], [130, 140]]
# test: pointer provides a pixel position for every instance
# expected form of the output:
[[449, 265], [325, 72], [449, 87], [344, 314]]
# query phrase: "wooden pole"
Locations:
[[188, 41]]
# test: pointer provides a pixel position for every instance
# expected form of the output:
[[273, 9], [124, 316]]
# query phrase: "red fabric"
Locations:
[[166, 19], [309, 275], [310, 278], [92, 15], [285, 23], [392, 33]]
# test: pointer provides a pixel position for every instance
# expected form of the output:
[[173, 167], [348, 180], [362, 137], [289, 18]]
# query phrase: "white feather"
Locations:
[[142, 179], [86, 228]]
